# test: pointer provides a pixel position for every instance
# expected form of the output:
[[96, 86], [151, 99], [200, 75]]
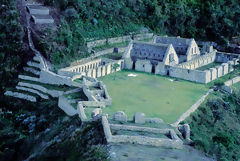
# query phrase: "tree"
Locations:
[[114, 67]]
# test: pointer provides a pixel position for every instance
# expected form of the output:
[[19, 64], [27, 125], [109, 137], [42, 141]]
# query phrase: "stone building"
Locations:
[[149, 57], [186, 49]]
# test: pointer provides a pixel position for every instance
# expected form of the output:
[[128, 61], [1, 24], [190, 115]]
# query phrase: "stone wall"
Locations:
[[119, 39], [94, 68], [21, 95], [199, 61], [143, 66], [191, 75], [223, 57], [80, 111], [202, 76], [139, 128], [227, 85], [53, 93], [32, 91], [66, 106], [49, 77], [192, 109]]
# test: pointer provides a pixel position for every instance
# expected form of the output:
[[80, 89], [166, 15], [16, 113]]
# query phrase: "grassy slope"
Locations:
[[155, 96], [215, 126]]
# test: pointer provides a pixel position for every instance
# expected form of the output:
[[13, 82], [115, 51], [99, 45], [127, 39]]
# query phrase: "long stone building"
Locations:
[[178, 57]]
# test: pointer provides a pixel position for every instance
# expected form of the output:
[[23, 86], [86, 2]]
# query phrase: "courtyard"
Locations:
[[154, 95]]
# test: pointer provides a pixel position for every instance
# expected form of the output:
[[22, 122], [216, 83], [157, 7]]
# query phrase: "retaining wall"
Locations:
[[66, 106], [119, 39]]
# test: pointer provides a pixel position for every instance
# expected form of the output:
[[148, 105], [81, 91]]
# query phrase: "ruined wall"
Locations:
[[223, 57], [199, 61], [143, 66], [191, 75], [202, 76]]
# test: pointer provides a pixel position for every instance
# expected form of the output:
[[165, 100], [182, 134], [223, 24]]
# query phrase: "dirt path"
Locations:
[[130, 152]]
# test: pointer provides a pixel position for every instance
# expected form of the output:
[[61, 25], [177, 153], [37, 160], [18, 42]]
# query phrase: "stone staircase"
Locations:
[[39, 13], [28, 87]]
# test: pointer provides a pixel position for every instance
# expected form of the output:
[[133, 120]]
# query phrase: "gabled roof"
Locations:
[[143, 47], [180, 44]]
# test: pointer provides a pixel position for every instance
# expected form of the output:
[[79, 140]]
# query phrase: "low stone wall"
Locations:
[[21, 96], [52, 78], [227, 85], [81, 113], [138, 128], [144, 140], [119, 39], [106, 129], [32, 91], [66, 107], [53, 93], [29, 69], [192, 109], [28, 78]]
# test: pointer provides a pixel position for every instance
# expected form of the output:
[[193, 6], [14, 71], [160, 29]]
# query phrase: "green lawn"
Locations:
[[153, 95]]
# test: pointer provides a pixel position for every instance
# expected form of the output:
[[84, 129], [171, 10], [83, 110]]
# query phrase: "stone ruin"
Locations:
[[178, 57]]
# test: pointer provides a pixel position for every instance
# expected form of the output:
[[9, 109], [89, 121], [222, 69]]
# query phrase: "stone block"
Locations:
[[213, 73], [94, 73], [185, 130], [99, 71], [154, 120], [95, 112], [89, 73], [128, 64], [120, 116], [139, 118], [219, 71], [235, 61], [108, 69], [230, 66], [103, 70], [225, 68], [38, 10]]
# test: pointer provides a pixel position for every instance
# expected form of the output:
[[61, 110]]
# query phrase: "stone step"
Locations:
[[33, 71], [24, 77], [42, 19], [32, 3], [53, 93], [32, 91], [21, 96], [37, 10], [37, 59], [34, 64]]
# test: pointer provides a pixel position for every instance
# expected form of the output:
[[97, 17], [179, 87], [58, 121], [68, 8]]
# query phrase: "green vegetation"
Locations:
[[212, 65], [85, 20], [114, 56], [215, 126], [106, 46], [153, 95]]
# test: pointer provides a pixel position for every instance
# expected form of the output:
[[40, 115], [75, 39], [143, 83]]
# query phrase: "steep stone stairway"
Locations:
[[28, 87], [39, 13]]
